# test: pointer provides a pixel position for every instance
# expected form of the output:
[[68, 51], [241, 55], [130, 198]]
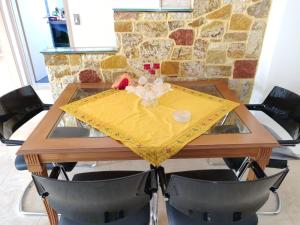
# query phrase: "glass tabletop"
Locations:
[[68, 126]]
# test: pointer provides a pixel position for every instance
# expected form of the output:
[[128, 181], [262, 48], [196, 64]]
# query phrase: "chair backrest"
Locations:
[[219, 202], [98, 201], [283, 106], [16, 108]]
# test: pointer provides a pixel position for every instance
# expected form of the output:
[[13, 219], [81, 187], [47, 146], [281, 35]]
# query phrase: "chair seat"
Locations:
[[140, 218], [212, 175], [178, 218], [20, 164]]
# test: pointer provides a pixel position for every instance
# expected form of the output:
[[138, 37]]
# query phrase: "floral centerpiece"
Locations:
[[150, 86]]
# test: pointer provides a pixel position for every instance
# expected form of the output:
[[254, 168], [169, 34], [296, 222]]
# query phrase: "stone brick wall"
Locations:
[[219, 39]]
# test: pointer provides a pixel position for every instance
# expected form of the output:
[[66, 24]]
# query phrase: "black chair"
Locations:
[[18, 107], [216, 197], [283, 106], [96, 198]]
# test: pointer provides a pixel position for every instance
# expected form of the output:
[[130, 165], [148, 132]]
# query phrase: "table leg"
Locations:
[[262, 159], [34, 166]]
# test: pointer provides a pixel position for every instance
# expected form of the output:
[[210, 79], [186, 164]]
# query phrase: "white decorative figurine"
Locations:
[[149, 87]]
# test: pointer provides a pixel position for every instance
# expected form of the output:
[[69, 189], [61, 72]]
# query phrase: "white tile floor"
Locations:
[[13, 183]]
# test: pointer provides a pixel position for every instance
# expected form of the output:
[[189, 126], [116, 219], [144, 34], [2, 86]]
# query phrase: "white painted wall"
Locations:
[[97, 22], [9, 78], [136, 4], [37, 32], [96, 28], [52, 4], [280, 59]]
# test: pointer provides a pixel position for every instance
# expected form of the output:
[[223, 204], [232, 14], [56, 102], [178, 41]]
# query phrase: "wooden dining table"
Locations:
[[238, 134]]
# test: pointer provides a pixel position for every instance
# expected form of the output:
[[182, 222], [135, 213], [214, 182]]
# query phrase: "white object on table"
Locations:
[[182, 116]]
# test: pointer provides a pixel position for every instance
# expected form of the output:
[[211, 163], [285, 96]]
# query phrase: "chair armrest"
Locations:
[[55, 172], [12, 142], [162, 179], [289, 142], [256, 107], [47, 106], [280, 180], [40, 189], [153, 182], [261, 107], [259, 173]]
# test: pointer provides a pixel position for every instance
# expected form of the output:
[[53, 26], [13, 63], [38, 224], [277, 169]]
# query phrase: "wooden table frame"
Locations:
[[38, 149]]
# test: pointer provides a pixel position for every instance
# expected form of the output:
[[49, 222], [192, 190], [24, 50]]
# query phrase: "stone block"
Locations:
[[175, 24], [180, 16], [244, 68], [59, 71], [126, 15], [235, 36], [153, 16], [183, 36], [114, 62], [202, 7], [131, 52], [236, 50], [131, 39], [213, 30], [182, 53], [156, 49], [222, 13], [255, 39], [200, 48], [123, 27], [197, 23], [152, 29], [193, 69], [89, 76], [75, 59], [260, 9], [170, 68], [216, 56], [217, 71], [55, 60], [240, 22]]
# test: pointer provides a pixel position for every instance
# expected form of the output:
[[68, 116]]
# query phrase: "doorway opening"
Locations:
[[43, 25]]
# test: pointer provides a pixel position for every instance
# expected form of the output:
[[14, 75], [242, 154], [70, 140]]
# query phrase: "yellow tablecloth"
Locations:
[[151, 132]]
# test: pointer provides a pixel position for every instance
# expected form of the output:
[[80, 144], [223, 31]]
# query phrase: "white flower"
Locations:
[[142, 80]]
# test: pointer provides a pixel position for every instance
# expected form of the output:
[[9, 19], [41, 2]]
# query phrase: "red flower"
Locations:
[[156, 66], [152, 72], [123, 84], [147, 66]]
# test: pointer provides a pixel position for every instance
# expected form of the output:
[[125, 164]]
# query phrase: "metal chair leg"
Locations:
[[64, 172], [278, 208], [21, 203], [154, 209], [243, 168]]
